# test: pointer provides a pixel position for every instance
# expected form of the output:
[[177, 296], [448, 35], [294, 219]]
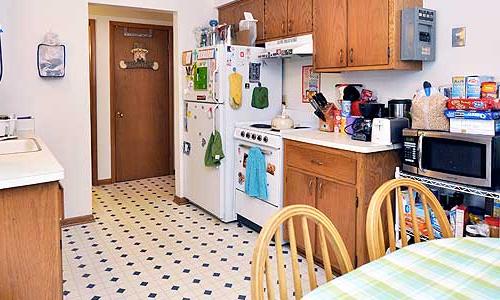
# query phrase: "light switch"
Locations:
[[458, 37]]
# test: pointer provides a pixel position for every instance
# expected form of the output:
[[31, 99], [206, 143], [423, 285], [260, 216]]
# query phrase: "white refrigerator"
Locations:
[[207, 108]]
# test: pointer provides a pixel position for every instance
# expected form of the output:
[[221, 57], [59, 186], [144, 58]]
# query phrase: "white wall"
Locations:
[[478, 57], [62, 106], [102, 16]]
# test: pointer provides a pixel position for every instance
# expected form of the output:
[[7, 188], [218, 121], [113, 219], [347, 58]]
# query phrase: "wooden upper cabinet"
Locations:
[[230, 14], [299, 17], [275, 19], [330, 46], [368, 32], [359, 35]]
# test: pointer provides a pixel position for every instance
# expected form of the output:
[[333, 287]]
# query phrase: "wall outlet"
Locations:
[[458, 37]]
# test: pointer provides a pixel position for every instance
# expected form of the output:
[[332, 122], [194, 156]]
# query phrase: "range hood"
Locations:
[[299, 45]]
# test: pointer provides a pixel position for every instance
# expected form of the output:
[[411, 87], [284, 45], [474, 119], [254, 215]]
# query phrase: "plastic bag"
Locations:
[[427, 113]]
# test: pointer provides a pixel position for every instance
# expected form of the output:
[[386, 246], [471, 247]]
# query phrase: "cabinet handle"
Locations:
[[316, 162], [290, 22], [351, 55], [320, 189], [310, 186], [283, 27], [341, 56]]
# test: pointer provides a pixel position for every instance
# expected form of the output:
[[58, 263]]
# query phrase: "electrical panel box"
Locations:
[[418, 34]]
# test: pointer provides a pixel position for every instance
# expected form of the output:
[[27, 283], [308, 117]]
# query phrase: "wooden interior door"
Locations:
[[338, 202], [275, 19], [143, 104], [300, 188], [330, 33], [368, 32], [299, 17]]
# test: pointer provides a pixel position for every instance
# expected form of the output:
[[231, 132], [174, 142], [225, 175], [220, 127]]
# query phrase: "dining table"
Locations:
[[453, 268]]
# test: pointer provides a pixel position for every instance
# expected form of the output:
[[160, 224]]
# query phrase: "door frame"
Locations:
[[93, 99], [112, 92]]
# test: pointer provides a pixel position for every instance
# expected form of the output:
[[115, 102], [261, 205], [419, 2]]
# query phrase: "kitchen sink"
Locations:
[[19, 146]]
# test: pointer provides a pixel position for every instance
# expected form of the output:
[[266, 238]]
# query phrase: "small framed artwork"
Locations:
[[51, 60], [310, 82], [187, 58]]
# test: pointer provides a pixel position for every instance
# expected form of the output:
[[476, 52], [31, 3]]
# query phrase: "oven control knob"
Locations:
[[259, 138], [242, 134], [248, 135], [254, 136], [266, 139]]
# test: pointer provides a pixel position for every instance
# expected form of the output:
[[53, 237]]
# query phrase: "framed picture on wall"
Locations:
[[310, 82], [51, 60]]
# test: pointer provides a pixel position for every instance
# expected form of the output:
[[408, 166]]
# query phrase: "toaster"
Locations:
[[388, 131]]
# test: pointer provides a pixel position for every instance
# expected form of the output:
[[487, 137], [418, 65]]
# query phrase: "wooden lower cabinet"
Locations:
[[311, 179], [30, 242]]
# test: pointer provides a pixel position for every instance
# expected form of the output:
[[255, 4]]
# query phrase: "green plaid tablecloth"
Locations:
[[464, 268]]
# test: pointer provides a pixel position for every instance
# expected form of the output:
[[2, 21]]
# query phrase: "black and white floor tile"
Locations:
[[144, 246]]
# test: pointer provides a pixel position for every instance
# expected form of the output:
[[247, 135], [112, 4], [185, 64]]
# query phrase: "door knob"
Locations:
[[120, 115]]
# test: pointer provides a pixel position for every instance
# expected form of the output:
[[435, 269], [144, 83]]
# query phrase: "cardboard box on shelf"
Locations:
[[483, 127]]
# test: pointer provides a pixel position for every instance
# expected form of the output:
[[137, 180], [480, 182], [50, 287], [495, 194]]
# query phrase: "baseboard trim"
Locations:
[[104, 181], [180, 201], [77, 220]]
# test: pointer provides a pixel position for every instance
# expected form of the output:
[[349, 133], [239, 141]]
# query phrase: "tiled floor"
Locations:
[[143, 246]]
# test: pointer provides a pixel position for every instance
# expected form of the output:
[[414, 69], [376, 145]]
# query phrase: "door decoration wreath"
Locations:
[[51, 57], [139, 53]]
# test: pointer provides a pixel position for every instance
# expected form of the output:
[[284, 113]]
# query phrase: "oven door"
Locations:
[[274, 175], [461, 158]]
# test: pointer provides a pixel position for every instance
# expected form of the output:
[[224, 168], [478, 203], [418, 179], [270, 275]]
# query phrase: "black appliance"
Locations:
[[462, 158], [362, 130], [372, 110]]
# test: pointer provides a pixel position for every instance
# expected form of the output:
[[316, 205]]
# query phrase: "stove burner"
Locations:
[[262, 126]]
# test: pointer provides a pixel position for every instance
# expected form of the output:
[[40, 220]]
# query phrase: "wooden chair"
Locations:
[[377, 217], [261, 265]]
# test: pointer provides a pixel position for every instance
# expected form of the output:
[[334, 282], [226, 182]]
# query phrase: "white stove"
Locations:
[[249, 210]]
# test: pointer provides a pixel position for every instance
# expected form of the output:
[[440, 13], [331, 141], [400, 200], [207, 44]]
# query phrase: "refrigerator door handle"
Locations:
[[214, 81]]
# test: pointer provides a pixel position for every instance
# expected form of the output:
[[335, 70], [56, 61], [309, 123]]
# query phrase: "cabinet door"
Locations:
[[256, 7], [368, 34], [330, 33], [300, 188], [338, 202], [275, 18], [230, 14], [299, 17]]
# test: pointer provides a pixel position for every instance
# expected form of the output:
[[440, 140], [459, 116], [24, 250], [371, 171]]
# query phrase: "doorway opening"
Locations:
[[131, 91]]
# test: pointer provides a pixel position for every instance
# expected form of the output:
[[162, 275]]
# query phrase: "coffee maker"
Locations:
[[362, 127]]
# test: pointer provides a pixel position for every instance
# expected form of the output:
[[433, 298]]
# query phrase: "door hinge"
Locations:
[[389, 52]]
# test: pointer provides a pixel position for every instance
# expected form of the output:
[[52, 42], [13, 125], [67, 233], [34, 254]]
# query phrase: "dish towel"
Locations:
[[214, 153], [256, 174]]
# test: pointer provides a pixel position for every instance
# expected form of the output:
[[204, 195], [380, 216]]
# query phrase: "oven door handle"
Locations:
[[420, 148]]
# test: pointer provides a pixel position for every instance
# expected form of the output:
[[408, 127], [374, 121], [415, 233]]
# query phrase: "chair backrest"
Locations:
[[261, 265], [378, 216]]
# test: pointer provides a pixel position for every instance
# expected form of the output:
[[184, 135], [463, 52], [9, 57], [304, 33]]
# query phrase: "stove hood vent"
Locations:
[[299, 45]]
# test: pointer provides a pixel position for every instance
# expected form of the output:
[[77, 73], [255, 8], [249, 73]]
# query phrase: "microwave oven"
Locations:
[[461, 158]]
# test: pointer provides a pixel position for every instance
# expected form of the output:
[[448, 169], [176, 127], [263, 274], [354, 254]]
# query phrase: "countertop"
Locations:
[[21, 169], [336, 140]]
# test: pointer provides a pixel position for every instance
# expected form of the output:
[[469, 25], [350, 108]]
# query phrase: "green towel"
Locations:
[[260, 97], [214, 153]]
